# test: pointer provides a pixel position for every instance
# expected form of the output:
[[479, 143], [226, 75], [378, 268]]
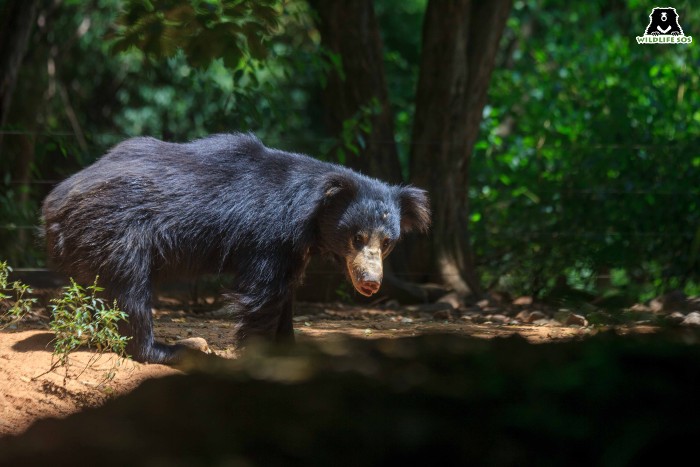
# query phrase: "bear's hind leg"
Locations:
[[141, 346]]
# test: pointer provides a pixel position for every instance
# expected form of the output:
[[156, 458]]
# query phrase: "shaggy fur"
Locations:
[[148, 209]]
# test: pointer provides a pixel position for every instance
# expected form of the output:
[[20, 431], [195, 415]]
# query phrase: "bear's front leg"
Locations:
[[285, 324], [267, 319]]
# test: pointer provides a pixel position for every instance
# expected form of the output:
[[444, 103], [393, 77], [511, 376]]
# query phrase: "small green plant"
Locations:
[[80, 317], [13, 304], [344, 293], [356, 130]]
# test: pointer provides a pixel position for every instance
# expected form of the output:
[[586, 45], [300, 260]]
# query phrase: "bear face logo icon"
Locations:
[[663, 21], [664, 28]]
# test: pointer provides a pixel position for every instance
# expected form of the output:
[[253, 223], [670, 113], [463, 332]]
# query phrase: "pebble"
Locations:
[[676, 317], [523, 301], [576, 320], [692, 319], [451, 299]]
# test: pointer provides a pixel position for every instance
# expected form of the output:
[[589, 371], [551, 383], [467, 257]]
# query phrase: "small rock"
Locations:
[[655, 305], [499, 318], [576, 320], [676, 317], [523, 316], [482, 303], [537, 314], [451, 299], [692, 319], [299, 319], [523, 301], [406, 320], [640, 308], [547, 323], [530, 316]]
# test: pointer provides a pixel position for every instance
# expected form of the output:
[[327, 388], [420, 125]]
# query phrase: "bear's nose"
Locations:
[[370, 287]]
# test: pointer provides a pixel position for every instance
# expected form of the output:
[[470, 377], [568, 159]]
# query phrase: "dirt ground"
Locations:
[[30, 390]]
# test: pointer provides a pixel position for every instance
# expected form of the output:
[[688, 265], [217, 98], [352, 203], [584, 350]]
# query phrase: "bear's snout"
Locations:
[[365, 269]]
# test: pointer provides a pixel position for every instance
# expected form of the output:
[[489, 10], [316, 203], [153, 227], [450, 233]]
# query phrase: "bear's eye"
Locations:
[[386, 243], [359, 239]]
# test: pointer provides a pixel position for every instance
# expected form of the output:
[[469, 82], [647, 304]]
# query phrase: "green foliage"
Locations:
[[205, 29], [587, 160], [80, 317], [13, 303], [76, 98], [586, 166], [401, 22], [356, 129], [17, 217], [344, 292]]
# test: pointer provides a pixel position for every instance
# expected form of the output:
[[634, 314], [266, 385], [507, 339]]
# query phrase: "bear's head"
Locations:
[[361, 221]]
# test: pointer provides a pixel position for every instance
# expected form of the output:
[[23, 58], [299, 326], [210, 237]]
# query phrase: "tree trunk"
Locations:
[[349, 29], [460, 43], [18, 17]]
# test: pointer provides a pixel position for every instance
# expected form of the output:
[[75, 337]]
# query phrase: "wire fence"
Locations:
[[590, 194], [329, 139]]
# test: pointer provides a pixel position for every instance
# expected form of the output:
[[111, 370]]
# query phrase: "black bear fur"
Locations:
[[150, 209]]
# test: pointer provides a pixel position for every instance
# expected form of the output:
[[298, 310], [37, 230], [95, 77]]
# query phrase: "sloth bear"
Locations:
[[663, 21], [148, 209]]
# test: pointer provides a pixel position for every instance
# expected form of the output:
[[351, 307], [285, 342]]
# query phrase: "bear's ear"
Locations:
[[415, 209], [337, 185]]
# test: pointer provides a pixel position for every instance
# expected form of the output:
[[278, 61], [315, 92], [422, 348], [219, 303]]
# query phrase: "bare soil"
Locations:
[[30, 389]]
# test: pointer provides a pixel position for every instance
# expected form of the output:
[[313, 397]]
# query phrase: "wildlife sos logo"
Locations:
[[664, 28]]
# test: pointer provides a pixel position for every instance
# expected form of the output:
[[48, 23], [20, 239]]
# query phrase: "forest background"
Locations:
[[560, 154]]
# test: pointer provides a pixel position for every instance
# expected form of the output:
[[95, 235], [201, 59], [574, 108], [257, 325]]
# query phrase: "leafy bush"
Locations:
[[80, 317], [13, 304], [587, 168]]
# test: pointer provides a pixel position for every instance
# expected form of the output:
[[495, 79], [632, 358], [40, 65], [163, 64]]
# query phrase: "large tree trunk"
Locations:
[[349, 29], [460, 42], [18, 17]]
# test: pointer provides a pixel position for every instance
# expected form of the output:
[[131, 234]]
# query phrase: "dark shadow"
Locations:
[[194, 361], [40, 341]]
